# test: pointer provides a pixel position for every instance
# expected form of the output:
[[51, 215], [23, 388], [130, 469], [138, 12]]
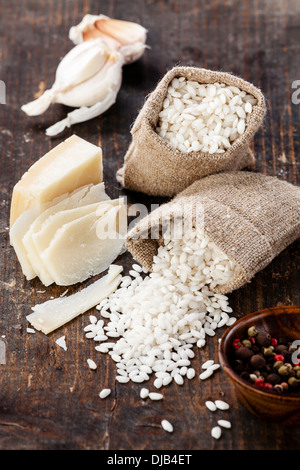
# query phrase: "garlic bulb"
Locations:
[[89, 78], [126, 37]]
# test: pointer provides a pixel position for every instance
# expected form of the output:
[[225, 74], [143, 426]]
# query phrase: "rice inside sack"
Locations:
[[195, 123], [248, 216]]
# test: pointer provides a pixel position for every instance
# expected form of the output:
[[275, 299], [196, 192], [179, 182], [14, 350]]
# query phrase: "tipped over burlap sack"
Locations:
[[153, 166], [251, 217]]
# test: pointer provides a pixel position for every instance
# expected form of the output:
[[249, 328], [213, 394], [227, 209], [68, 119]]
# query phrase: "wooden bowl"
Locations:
[[279, 322]]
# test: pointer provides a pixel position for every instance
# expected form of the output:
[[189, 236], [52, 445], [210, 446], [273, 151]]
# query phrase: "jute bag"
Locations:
[[153, 167], [251, 217]]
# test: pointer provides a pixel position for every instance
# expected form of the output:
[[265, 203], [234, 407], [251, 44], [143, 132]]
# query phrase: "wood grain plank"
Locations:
[[49, 397]]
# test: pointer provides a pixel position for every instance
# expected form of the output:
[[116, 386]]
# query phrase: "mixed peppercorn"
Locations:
[[266, 362]]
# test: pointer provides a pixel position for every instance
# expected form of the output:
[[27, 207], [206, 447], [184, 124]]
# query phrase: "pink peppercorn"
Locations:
[[279, 357], [236, 343], [268, 386], [259, 382]]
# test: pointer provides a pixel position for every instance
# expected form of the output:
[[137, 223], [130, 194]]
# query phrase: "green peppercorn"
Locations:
[[252, 331], [268, 352], [247, 343], [293, 382], [283, 370], [277, 364]]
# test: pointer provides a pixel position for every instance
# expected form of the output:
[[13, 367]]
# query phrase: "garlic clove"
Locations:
[[80, 63], [126, 32], [96, 88], [108, 88], [84, 76], [124, 36], [94, 33]]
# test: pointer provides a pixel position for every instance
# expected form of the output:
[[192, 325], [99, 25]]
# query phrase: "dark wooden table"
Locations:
[[48, 396]]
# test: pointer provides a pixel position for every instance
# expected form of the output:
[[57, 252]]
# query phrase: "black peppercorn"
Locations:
[[263, 339], [280, 349], [244, 353], [257, 362], [273, 379]]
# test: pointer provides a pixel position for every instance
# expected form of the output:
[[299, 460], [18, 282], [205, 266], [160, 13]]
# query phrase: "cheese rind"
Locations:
[[70, 165]]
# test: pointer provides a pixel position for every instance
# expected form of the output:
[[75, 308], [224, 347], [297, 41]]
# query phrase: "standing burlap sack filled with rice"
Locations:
[[202, 125], [249, 216]]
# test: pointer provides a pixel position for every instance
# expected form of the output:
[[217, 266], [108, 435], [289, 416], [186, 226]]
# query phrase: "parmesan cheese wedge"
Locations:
[[72, 164], [53, 314], [31, 221], [78, 250], [43, 228], [24, 222], [40, 240]]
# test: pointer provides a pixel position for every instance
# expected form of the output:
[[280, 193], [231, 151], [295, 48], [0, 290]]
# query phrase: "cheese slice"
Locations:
[[32, 220], [70, 165], [79, 250], [53, 314], [84, 196], [40, 240], [24, 222]]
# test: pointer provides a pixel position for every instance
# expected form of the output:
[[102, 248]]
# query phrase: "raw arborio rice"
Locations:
[[195, 123], [203, 117], [249, 216], [158, 318]]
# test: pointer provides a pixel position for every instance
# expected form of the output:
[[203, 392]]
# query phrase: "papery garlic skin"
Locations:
[[126, 37]]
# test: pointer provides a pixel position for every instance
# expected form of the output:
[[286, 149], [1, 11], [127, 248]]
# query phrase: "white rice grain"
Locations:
[[221, 405], [216, 432], [224, 423], [105, 392], [166, 425]]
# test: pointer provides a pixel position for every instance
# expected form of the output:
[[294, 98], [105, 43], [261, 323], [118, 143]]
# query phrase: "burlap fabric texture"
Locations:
[[153, 167], [250, 216]]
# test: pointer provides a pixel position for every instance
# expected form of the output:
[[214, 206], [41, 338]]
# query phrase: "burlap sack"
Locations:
[[153, 167], [250, 216]]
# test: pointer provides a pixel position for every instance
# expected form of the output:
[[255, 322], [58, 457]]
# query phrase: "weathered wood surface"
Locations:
[[48, 396]]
